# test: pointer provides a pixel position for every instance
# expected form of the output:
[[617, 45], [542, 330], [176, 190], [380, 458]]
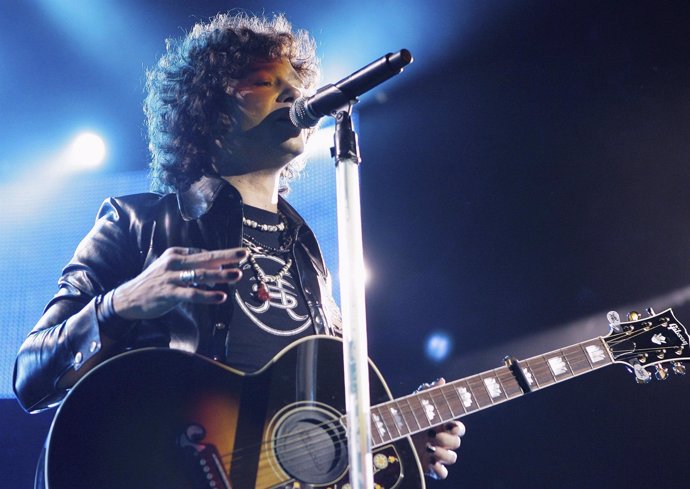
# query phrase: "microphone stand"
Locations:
[[351, 270]]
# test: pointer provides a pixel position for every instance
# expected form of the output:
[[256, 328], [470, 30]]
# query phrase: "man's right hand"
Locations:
[[178, 275]]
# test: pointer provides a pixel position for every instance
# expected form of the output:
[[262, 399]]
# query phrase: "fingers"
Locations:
[[442, 445], [439, 458], [446, 440], [200, 296], [205, 259], [455, 428], [444, 456], [205, 277], [437, 471]]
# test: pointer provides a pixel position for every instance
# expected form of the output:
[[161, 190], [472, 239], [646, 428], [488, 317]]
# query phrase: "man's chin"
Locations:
[[293, 147]]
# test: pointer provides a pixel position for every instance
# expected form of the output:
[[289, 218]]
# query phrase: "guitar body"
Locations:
[[166, 419]]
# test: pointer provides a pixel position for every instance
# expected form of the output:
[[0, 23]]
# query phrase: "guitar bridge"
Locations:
[[206, 464]]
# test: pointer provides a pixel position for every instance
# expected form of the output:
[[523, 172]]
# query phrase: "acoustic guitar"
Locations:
[[165, 419]]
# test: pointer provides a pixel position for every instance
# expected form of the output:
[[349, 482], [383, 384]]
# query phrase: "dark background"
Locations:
[[524, 176]]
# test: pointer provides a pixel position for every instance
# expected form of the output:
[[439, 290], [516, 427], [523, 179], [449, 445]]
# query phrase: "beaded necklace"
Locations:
[[255, 247]]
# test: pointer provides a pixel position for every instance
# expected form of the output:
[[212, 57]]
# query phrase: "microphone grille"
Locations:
[[299, 116]]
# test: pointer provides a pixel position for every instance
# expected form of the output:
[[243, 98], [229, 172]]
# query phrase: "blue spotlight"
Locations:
[[87, 151], [438, 346]]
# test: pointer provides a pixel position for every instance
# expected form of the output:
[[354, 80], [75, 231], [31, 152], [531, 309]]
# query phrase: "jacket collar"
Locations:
[[201, 195], [198, 200], [195, 202]]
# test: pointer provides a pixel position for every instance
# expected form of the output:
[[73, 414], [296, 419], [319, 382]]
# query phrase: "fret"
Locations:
[[456, 399], [379, 426], [479, 391], [584, 354], [390, 420], [428, 411], [424, 410], [412, 421], [541, 371], [493, 386], [564, 358], [596, 352], [464, 393], [558, 365], [447, 403], [577, 361], [396, 412], [508, 382], [531, 379], [440, 405]]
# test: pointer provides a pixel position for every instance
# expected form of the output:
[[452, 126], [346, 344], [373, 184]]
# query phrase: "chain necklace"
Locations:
[[254, 244], [254, 247]]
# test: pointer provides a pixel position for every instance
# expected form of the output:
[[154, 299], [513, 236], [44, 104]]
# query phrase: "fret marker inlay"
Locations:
[[465, 396], [528, 376], [399, 421], [428, 410], [557, 365], [379, 424], [595, 353], [492, 387]]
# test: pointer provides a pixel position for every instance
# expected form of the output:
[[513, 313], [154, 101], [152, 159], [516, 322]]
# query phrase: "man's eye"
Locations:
[[262, 83]]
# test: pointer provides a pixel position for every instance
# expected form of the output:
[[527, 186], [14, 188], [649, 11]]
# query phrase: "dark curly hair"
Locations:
[[186, 105]]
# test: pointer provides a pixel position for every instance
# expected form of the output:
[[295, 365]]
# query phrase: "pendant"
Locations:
[[262, 292]]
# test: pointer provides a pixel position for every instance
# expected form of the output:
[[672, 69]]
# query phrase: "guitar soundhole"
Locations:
[[310, 446]]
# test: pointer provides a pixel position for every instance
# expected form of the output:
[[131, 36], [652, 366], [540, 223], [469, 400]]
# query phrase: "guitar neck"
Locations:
[[422, 410]]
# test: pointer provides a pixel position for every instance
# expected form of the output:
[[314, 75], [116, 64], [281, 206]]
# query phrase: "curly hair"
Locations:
[[186, 105]]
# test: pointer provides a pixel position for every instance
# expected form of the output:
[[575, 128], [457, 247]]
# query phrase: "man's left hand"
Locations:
[[436, 447]]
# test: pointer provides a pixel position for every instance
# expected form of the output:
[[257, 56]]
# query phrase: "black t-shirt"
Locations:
[[259, 330]]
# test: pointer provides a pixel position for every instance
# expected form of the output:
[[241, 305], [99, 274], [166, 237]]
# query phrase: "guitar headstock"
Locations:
[[650, 342]]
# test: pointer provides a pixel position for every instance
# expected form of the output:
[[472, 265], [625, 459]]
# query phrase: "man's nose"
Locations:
[[289, 94]]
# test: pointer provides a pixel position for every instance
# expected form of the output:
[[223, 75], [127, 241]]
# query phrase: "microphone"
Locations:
[[306, 111]]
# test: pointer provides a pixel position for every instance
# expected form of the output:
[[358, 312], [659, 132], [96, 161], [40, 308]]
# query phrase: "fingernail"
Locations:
[[220, 297], [242, 253], [431, 433], [234, 275], [438, 380], [450, 426], [430, 448]]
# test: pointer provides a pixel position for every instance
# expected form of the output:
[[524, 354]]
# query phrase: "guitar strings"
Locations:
[[436, 394], [301, 458], [575, 360], [502, 373]]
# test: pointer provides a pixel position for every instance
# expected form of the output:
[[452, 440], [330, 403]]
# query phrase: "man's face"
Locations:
[[264, 137]]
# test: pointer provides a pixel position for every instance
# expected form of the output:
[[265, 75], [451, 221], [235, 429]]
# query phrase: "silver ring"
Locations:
[[188, 278]]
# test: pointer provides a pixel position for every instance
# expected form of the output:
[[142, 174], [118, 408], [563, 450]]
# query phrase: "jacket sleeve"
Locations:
[[69, 333]]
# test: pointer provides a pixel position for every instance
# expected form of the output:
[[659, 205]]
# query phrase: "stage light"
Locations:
[[87, 151], [438, 346]]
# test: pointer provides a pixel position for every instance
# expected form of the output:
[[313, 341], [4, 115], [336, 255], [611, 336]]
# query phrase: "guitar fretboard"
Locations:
[[420, 411]]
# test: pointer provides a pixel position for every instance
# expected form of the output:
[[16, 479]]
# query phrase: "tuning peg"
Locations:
[[661, 373], [614, 321], [650, 311], [633, 316], [678, 368], [642, 376]]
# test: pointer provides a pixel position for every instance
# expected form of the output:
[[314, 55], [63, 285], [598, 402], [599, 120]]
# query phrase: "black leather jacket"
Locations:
[[130, 233]]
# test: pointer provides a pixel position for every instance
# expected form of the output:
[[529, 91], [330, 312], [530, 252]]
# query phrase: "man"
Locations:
[[217, 263]]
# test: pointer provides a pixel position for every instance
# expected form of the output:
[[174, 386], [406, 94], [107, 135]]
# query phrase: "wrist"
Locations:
[[111, 323]]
